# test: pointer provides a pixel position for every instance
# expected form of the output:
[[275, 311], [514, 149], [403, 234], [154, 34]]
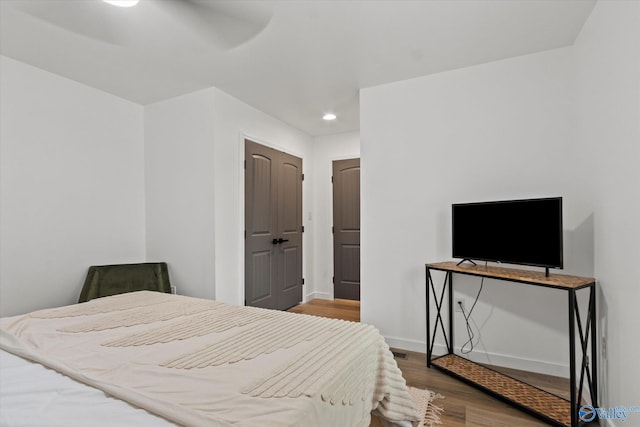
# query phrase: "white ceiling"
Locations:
[[302, 59]]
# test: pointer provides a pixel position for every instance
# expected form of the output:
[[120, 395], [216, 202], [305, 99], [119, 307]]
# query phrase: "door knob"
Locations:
[[275, 241], [281, 240]]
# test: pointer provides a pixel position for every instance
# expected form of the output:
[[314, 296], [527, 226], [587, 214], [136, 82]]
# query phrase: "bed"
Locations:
[[154, 359]]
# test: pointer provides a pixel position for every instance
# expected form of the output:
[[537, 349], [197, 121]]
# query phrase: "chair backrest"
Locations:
[[106, 280]]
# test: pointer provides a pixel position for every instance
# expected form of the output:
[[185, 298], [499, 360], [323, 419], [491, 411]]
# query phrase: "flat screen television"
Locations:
[[525, 232]]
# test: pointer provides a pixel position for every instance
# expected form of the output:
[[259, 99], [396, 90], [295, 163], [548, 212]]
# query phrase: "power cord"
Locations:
[[467, 317]]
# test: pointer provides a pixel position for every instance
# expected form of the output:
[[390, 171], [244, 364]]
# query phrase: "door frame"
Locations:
[[241, 250]]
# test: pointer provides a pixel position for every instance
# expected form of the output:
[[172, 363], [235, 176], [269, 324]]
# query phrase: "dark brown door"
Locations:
[[346, 229], [273, 228]]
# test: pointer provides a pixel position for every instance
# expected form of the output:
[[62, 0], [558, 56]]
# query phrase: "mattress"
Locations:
[[198, 362]]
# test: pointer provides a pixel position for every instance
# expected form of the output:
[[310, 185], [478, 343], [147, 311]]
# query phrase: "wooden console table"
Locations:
[[537, 402]]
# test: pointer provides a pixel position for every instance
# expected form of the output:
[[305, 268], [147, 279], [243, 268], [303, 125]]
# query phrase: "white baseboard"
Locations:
[[508, 361], [404, 344], [316, 295]]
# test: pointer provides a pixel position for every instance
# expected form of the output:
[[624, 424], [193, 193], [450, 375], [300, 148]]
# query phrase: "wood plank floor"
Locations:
[[337, 309], [463, 405]]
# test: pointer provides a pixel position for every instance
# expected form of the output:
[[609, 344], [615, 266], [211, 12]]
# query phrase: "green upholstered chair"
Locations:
[[106, 280]]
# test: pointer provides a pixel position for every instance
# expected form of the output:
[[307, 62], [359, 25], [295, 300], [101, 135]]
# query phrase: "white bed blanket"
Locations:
[[34, 396], [204, 363]]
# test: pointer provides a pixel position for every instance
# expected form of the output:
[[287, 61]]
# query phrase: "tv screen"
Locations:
[[526, 232]]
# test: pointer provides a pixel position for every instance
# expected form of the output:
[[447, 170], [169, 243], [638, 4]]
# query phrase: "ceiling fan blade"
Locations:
[[226, 23], [94, 19]]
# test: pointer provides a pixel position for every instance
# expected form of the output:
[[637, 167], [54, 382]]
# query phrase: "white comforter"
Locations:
[[34, 396], [200, 362]]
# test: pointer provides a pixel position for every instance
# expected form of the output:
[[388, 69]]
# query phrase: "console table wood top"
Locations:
[[562, 281]]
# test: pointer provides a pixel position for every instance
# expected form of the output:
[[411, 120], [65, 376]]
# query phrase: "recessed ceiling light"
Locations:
[[329, 116], [122, 3]]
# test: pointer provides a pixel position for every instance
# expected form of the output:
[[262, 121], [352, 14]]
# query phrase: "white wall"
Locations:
[[607, 67], [72, 191], [326, 149], [235, 121], [496, 131], [195, 185], [179, 184]]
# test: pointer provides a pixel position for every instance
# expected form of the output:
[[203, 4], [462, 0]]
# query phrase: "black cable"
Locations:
[[467, 317]]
